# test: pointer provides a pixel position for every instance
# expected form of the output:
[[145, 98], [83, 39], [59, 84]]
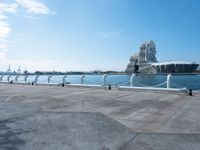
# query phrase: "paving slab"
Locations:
[[17, 110], [140, 111], [63, 131]]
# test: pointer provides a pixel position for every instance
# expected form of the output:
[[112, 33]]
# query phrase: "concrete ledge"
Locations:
[[48, 84], [21, 83], [85, 86], [30, 83], [4, 82], [175, 90]]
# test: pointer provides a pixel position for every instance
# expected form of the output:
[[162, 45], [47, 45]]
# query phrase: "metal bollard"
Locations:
[[190, 92], [63, 84], [109, 87]]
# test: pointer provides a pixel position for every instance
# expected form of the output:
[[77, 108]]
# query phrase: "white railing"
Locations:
[[82, 79], [130, 83], [104, 81], [169, 81], [1, 78]]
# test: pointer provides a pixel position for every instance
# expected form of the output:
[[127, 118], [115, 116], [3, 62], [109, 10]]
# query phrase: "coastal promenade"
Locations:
[[50, 117]]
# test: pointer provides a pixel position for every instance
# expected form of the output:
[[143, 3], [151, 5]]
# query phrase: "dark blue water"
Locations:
[[190, 81]]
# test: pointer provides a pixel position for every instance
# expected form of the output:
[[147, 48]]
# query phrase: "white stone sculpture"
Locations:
[[145, 62]]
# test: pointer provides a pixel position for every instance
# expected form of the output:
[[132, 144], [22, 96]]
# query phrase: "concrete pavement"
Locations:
[[42, 117]]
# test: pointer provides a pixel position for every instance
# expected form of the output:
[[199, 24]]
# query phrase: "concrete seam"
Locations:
[[122, 148]]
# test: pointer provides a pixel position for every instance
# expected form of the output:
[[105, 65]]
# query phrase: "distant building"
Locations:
[[145, 62]]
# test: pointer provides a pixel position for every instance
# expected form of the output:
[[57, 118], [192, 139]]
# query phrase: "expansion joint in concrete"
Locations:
[[129, 141]]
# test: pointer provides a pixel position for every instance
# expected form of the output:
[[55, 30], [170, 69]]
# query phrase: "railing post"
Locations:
[[36, 78], [49, 79], [131, 79], [64, 78], [8, 78], [1, 78], [104, 80], [82, 77], [16, 78], [25, 79], [169, 81]]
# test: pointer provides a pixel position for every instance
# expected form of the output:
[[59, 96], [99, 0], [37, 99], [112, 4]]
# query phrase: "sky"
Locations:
[[83, 35]]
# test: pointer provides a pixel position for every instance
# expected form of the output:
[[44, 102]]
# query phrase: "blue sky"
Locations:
[[88, 34]]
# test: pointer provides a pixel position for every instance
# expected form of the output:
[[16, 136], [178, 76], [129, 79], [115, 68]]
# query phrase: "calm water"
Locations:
[[178, 81]]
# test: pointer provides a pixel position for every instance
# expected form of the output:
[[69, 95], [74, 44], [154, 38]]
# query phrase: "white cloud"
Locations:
[[2, 17], [3, 40], [4, 31], [3, 57], [3, 46], [11, 8], [34, 6], [31, 17], [5, 28]]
